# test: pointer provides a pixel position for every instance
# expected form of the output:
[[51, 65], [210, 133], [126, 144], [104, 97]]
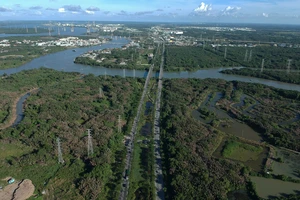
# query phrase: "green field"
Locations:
[[241, 151]]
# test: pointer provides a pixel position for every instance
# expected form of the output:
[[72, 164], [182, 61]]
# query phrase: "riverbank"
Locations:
[[282, 76]]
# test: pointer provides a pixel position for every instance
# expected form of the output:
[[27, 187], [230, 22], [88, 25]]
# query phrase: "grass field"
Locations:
[[241, 151], [12, 149]]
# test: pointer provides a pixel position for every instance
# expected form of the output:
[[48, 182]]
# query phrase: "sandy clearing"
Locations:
[[21, 190]]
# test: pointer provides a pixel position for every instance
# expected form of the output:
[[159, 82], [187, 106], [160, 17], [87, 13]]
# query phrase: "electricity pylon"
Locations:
[[262, 65], [250, 56], [246, 56], [288, 70], [119, 124], [60, 158], [90, 143], [100, 92]]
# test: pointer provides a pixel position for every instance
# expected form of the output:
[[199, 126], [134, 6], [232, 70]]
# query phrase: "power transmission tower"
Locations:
[[262, 65], [225, 53], [119, 124], [124, 75], [246, 56], [90, 143], [105, 75], [49, 31], [250, 56], [288, 70], [60, 158], [133, 73]]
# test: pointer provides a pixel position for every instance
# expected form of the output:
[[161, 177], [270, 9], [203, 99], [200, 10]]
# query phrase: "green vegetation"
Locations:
[[270, 75], [192, 58], [65, 106], [241, 151], [190, 171], [129, 58]]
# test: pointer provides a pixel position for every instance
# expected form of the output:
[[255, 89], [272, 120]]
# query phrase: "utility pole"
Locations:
[[246, 56], [225, 53], [90, 143], [289, 66], [60, 158], [262, 65], [119, 124]]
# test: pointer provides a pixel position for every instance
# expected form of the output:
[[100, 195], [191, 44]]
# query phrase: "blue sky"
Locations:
[[263, 11]]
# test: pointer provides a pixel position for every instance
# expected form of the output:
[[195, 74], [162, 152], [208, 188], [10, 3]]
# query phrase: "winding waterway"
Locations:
[[63, 61]]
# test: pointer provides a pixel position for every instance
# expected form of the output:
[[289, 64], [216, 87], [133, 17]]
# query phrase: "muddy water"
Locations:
[[235, 127], [20, 114], [268, 188]]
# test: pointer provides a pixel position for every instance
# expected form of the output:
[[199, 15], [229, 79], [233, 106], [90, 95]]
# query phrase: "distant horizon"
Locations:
[[133, 21], [188, 11]]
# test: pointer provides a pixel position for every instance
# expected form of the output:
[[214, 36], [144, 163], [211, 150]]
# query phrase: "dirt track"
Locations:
[[21, 190]]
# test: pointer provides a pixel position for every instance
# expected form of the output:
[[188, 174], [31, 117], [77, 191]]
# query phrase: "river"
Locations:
[[63, 61]]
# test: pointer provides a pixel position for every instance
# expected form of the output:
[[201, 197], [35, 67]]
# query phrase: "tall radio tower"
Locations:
[[90, 143], [60, 158]]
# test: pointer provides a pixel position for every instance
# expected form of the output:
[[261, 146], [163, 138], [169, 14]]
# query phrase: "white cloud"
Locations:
[[231, 10], [38, 12], [203, 7], [61, 10], [265, 15], [89, 12]]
